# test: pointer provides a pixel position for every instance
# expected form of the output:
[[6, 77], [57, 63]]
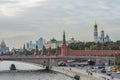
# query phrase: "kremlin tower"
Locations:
[[64, 48], [95, 33]]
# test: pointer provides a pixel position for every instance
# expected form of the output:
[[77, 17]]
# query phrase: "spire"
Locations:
[[24, 47], [64, 40], [64, 46], [24, 50], [36, 50], [49, 51]]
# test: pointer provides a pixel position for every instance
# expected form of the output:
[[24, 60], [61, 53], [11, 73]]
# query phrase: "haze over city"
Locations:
[[25, 20]]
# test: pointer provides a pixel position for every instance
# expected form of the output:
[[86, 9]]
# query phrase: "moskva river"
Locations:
[[33, 76], [28, 75]]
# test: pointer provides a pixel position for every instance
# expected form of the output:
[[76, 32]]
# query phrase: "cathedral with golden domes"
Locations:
[[103, 38]]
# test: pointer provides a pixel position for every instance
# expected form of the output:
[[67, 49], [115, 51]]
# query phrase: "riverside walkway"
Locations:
[[82, 73], [70, 72]]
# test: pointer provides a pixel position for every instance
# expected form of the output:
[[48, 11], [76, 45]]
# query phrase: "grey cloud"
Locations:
[[76, 17], [7, 1]]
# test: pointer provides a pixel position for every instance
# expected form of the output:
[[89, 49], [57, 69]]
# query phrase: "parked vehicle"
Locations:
[[103, 70], [61, 63], [108, 70], [108, 73], [100, 67], [114, 69], [118, 72], [93, 70]]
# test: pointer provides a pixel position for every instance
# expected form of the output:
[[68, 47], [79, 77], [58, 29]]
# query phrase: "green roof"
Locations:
[[53, 40]]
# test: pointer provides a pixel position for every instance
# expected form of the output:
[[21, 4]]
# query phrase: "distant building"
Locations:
[[3, 48], [95, 33], [72, 40], [16, 50], [53, 43], [102, 38], [40, 42], [31, 45]]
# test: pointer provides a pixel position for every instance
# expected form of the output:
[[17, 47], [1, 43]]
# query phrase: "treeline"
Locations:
[[95, 46]]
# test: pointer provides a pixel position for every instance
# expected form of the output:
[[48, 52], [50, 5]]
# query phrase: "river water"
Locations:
[[27, 75]]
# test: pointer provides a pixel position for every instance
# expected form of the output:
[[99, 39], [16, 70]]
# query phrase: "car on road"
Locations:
[[108, 70], [108, 73], [114, 69], [103, 70], [100, 67], [93, 70], [118, 72]]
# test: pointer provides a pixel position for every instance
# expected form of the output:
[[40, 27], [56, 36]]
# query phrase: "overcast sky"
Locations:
[[25, 20]]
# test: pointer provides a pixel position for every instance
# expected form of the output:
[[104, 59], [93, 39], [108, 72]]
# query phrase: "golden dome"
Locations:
[[102, 30], [95, 25], [72, 38]]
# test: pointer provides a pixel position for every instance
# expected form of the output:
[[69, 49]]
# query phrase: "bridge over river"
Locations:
[[49, 61]]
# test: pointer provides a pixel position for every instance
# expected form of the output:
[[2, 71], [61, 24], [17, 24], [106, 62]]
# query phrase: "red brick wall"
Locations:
[[65, 51], [92, 52]]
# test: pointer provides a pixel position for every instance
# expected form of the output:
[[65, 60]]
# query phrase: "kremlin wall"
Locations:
[[65, 51]]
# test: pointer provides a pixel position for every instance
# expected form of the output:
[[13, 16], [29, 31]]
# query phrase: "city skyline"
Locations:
[[25, 20]]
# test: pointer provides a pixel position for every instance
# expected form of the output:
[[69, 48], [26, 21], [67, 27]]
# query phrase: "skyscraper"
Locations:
[[3, 48], [40, 42], [30, 45]]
